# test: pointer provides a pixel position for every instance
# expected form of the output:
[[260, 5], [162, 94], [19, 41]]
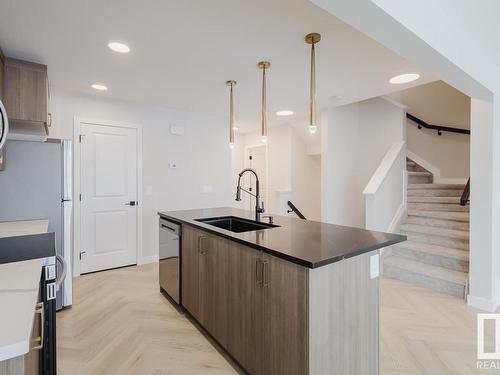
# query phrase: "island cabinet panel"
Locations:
[[344, 318], [284, 317]]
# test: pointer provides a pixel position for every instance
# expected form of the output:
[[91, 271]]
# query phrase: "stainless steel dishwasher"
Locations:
[[169, 257]]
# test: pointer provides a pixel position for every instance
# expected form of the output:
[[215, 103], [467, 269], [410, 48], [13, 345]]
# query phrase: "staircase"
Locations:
[[436, 254]]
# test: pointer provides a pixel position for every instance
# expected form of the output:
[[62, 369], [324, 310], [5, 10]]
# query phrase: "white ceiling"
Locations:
[[184, 51], [436, 103]]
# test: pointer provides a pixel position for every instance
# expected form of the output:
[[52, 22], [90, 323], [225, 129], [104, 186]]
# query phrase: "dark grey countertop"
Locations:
[[26, 247], [308, 243]]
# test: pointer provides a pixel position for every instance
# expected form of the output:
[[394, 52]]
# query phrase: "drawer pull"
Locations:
[[265, 273], [258, 271]]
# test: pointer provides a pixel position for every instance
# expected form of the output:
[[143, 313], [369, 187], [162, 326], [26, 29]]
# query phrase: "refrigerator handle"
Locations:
[[64, 270]]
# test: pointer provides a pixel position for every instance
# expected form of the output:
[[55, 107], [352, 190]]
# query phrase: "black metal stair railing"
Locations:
[[296, 210], [464, 199]]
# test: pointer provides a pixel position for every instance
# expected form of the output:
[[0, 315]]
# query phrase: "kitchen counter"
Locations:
[[19, 283], [25, 240], [308, 243], [20, 242]]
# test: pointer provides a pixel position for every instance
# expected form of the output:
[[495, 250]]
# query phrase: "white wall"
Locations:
[[203, 156], [293, 174], [439, 103], [355, 139], [434, 34]]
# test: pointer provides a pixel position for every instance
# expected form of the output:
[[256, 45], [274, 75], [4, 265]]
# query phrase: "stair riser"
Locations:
[[419, 179], [434, 193], [454, 243], [439, 285], [439, 223], [437, 207], [433, 259]]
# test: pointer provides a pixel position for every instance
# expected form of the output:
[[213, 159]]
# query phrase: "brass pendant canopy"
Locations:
[[312, 39], [231, 84], [264, 65]]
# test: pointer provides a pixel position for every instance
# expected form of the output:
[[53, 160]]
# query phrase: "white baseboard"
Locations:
[[147, 259], [484, 304]]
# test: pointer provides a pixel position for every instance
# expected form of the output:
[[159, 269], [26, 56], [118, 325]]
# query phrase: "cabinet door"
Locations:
[[284, 318], [212, 285], [204, 280], [244, 306], [190, 277], [25, 91]]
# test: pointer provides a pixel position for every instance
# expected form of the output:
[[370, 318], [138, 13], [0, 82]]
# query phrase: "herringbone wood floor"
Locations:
[[121, 324]]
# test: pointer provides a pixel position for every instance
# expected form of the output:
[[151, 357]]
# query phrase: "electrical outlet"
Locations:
[[172, 165], [177, 130]]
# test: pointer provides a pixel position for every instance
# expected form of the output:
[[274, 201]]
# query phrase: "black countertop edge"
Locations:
[[21, 248], [299, 261]]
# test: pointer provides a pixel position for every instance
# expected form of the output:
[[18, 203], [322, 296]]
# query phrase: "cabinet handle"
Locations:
[[265, 272], [200, 245], [258, 271], [40, 310]]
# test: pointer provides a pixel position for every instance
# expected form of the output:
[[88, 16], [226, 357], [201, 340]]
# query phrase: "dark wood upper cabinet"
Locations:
[[25, 91]]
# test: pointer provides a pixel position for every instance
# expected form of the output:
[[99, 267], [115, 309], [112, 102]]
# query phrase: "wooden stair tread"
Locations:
[[429, 230], [413, 173], [428, 270], [435, 249], [432, 199], [436, 186], [443, 215]]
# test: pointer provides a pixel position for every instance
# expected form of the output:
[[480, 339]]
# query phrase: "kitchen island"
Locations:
[[298, 297]]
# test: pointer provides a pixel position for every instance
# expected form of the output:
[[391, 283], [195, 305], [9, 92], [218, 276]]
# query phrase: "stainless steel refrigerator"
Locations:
[[37, 184]]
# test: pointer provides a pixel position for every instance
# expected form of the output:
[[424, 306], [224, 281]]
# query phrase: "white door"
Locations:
[[108, 183], [257, 160]]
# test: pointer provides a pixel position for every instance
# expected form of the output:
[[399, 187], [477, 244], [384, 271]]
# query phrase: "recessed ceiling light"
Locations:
[[99, 87], [119, 47], [284, 113], [404, 78]]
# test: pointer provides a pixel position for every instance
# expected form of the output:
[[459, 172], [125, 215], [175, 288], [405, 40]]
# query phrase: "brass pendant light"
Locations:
[[264, 65], [231, 84], [312, 39]]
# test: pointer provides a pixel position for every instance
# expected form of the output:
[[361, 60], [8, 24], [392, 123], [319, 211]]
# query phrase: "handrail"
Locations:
[[384, 167], [466, 194], [296, 210], [439, 128]]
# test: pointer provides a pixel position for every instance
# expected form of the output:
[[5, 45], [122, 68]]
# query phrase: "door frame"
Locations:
[[77, 123]]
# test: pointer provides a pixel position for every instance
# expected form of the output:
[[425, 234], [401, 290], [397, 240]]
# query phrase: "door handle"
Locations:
[[132, 203], [265, 274], [200, 245], [258, 271]]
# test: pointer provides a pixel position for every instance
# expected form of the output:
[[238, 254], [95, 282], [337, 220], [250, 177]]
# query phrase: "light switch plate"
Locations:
[[172, 165], [177, 130], [374, 266]]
